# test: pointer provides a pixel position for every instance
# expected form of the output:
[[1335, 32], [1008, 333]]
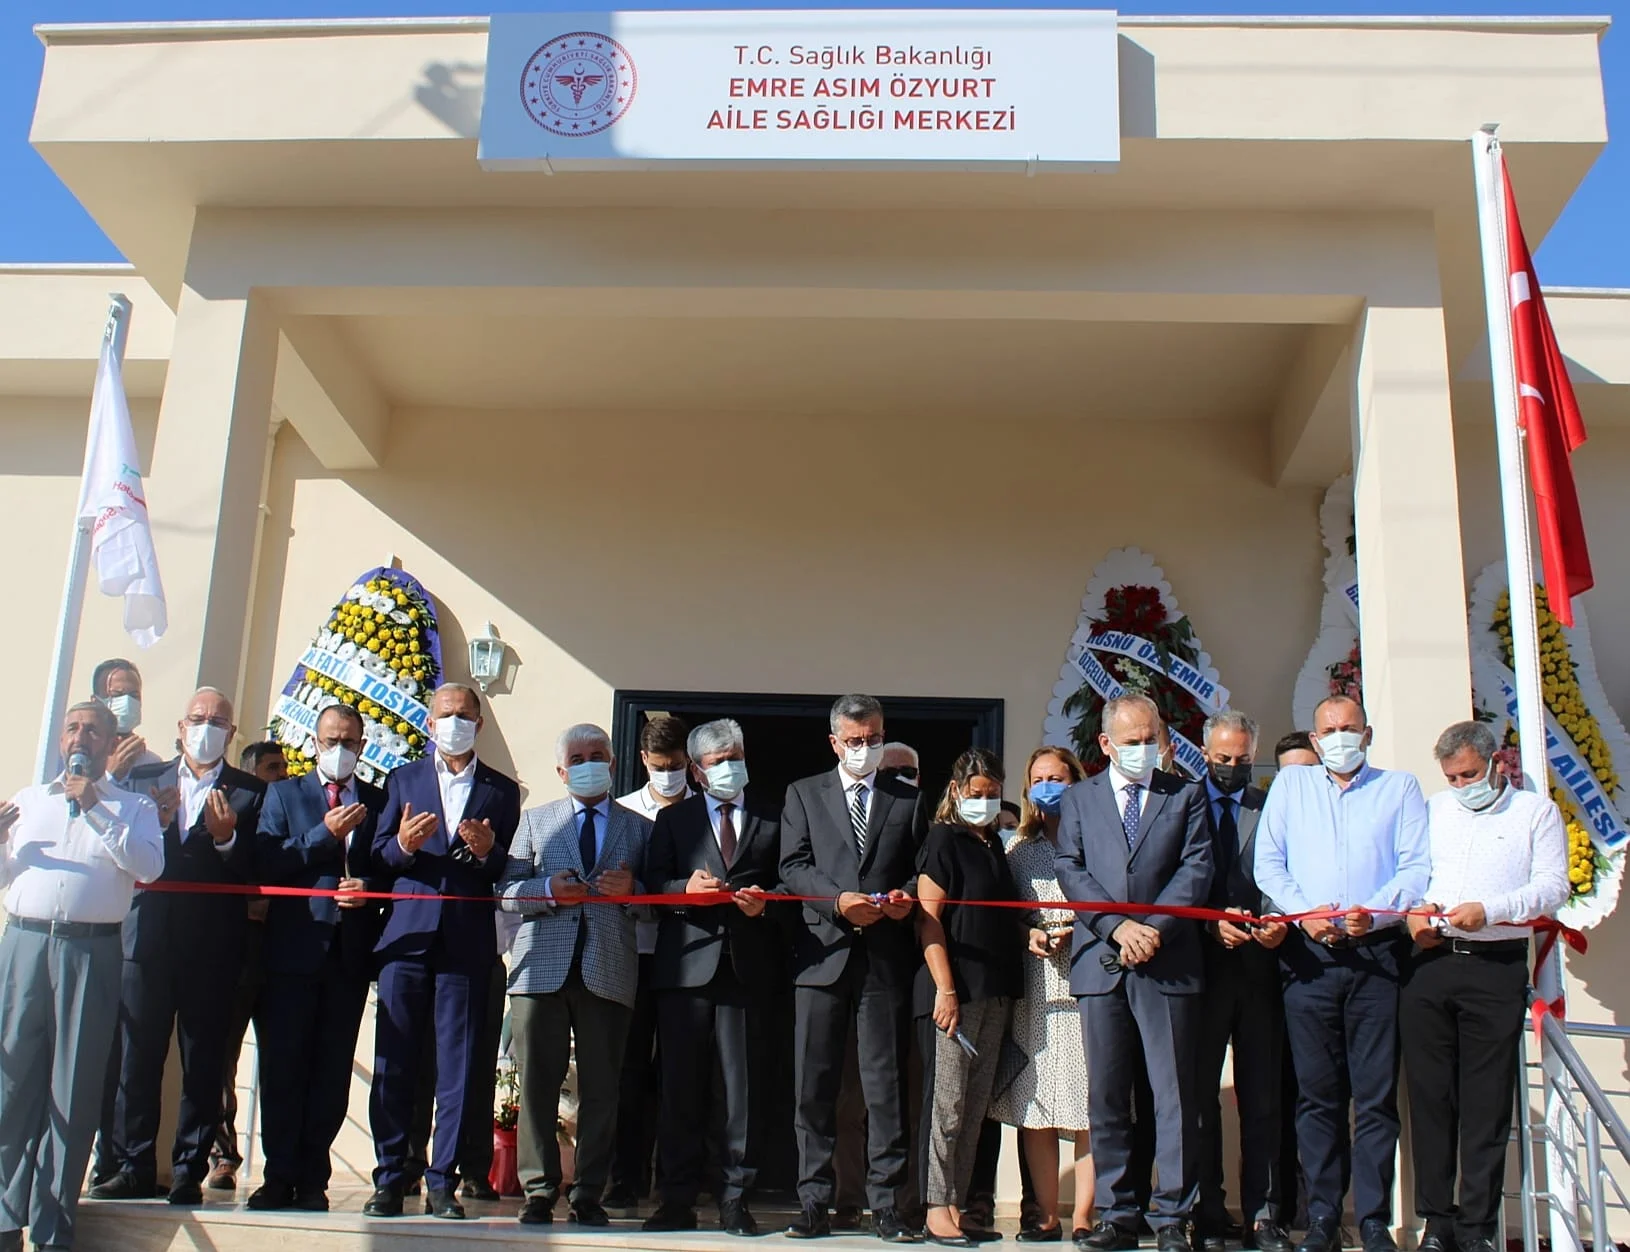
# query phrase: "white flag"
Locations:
[[111, 499]]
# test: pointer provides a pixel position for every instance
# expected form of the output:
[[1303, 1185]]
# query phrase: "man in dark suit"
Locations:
[[316, 831], [182, 955], [850, 839], [1133, 834], [445, 831], [713, 963], [1242, 1002]]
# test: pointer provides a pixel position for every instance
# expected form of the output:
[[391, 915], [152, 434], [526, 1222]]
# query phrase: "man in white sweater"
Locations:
[[1499, 862]]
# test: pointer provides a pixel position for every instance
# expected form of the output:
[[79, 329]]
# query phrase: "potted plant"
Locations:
[[506, 1116]]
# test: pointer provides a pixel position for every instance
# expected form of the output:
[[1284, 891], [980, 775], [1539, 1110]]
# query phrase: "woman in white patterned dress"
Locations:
[[1047, 1100]]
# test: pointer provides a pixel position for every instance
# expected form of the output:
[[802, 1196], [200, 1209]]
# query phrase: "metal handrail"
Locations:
[[1575, 1191]]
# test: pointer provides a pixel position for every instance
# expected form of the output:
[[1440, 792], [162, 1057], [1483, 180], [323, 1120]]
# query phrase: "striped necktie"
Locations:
[[857, 816]]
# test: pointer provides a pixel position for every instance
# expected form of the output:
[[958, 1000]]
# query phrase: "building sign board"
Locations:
[[953, 87]]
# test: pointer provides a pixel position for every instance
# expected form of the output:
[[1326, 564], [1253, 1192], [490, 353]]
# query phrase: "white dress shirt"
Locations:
[[455, 792], [647, 806], [714, 805], [79, 869], [1121, 783], [193, 790], [849, 782], [1512, 858]]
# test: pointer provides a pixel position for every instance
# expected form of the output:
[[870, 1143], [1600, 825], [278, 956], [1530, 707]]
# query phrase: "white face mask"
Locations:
[[455, 735], [1137, 761], [725, 779], [588, 780], [126, 710], [1342, 750], [862, 760], [1480, 793], [978, 810], [336, 764], [667, 782], [206, 744]]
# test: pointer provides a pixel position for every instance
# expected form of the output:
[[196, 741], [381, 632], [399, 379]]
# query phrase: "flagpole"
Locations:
[[1519, 564], [116, 332]]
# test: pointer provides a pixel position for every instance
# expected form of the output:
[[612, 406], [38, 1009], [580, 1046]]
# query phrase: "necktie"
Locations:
[[585, 842], [857, 816], [727, 834], [1132, 814], [332, 791], [1227, 836]]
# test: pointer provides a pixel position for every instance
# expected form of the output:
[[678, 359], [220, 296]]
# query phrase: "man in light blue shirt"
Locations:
[[1345, 836]]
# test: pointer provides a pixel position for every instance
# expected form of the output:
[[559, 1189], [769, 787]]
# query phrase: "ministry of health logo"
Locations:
[[578, 84]]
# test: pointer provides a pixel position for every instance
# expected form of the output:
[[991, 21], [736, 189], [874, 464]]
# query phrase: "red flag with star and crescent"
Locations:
[[1549, 414]]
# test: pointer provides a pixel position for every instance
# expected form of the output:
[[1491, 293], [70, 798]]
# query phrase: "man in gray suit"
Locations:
[[1133, 834], [573, 971]]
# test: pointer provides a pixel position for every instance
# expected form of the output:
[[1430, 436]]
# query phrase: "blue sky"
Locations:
[[40, 221]]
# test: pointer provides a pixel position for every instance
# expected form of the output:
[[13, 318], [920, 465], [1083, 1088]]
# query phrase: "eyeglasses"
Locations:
[[907, 771], [854, 745]]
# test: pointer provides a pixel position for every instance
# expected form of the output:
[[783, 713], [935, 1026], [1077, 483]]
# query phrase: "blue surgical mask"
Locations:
[[725, 779], [588, 781], [1137, 760], [1048, 796], [1478, 795]]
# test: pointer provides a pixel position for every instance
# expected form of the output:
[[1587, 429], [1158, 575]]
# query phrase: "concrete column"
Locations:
[[1412, 584], [204, 493]]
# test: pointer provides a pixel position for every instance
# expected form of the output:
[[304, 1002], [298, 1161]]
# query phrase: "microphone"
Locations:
[[78, 765]]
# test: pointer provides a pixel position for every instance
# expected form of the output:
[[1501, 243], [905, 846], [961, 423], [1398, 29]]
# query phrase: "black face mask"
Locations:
[[1231, 778]]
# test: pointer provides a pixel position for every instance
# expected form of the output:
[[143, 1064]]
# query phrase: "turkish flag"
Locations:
[[1549, 414]]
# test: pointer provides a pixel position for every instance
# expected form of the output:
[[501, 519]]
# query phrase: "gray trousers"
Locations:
[[543, 1029], [954, 1106], [1136, 1016], [59, 1004]]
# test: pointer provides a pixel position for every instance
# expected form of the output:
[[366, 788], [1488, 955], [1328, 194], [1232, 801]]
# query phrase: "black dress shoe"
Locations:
[[186, 1193], [311, 1200], [849, 1218], [1268, 1237], [588, 1213], [947, 1241], [384, 1202], [1477, 1245], [1375, 1236], [735, 1219], [810, 1224], [478, 1189], [1040, 1234], [1436, 1238], [620, 1197], [982, 1234], [443, 1203], [1107, 1237], [1323, 1235], [537, 1211], [1173, 1237], [124, 1186], [1210, 1239], [271, 1196], [670, 1217], [891, 1227]]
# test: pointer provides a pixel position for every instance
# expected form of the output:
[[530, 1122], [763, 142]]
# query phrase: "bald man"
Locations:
[[182, 955]]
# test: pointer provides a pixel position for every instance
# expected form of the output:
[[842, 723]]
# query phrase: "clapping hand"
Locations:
[[343, 820], [477, 836], [415, 829], [219, 819]]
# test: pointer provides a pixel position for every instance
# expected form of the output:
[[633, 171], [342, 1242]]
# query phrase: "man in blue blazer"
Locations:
[[315, 831], [445, 831], [1135, 835]]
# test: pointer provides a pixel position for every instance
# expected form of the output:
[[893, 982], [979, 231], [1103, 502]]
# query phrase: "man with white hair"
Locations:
[[183, 952], [714, 964], [574, 971], [71, 852], [900, 760], [442, 838]]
